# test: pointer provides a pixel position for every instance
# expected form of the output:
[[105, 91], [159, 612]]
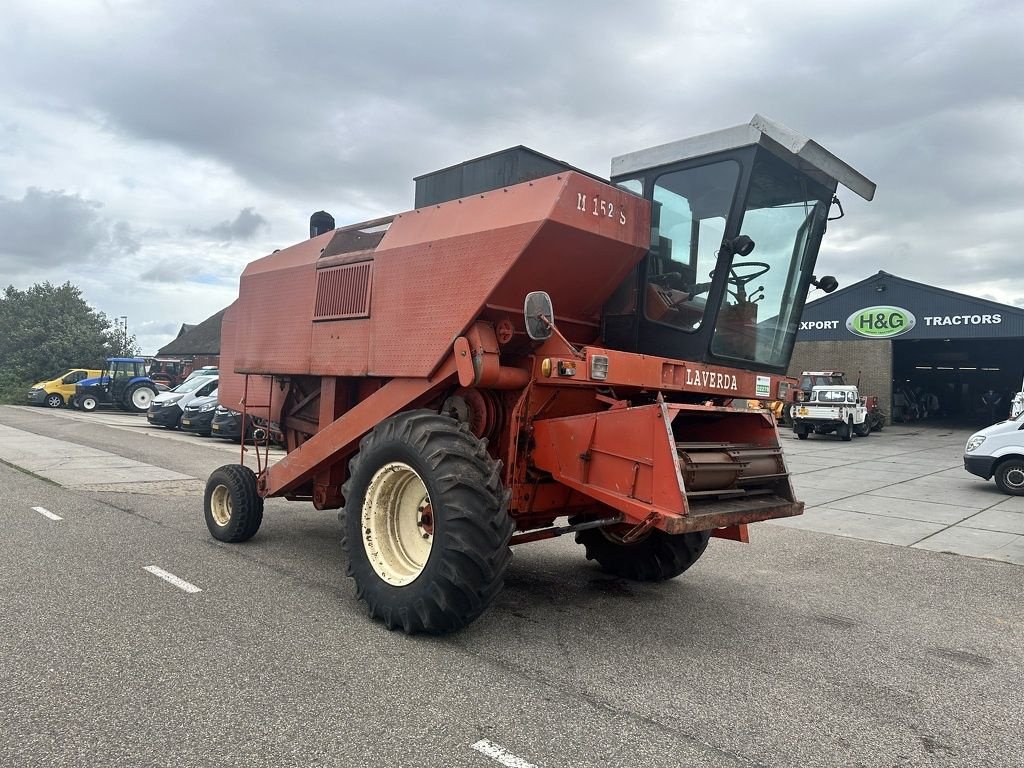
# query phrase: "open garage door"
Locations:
[[947, 378]]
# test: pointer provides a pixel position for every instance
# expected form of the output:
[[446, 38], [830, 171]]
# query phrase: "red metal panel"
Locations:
[[434, 272], [579, 269], [340, 348], [275, 321], [625, 458], [231, 387], [427, 294], [343, 292]]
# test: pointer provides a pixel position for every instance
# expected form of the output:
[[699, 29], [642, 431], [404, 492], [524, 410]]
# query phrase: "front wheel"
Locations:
[[54, 400], [862, 430], [1010, 477], [88, 403], [656, 557], [233, 507], [426, 523]]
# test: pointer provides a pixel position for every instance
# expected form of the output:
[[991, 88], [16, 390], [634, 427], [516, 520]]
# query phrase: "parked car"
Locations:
[[197, 416], [228, 424], [167, 407], [998, 451], [60, 389], [206, 370]]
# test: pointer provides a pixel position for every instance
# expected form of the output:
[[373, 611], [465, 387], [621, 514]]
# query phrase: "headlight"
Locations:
[[169, 401], [208, 407], [975, 442]]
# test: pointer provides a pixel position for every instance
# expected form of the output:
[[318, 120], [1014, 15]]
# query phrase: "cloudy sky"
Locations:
[[150, 148]]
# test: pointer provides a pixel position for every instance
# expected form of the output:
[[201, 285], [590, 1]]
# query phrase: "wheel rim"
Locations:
[[88, 404], [141, 397], [54, 401], [220, 505], [1014, 477], [398, 524]]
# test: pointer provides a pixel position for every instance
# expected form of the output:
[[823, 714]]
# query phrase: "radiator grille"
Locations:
[[343, 292]]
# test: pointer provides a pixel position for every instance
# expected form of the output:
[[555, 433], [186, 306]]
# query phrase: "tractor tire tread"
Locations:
[[469, 568], [247, 504], [657, 557]]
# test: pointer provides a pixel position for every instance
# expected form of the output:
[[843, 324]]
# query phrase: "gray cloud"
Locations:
[[54, 228], [245, 226], [166, 271], [338, 106]]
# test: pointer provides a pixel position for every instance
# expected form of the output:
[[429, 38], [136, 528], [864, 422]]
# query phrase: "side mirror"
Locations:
[[827, 283], [741, 245], [539, 315]]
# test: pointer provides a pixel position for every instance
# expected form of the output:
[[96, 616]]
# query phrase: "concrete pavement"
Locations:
[[905, 486], [799, 649]]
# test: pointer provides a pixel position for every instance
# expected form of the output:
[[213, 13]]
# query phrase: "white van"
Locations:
[[998, 451]]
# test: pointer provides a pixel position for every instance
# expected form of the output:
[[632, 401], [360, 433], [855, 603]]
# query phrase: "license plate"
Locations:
[[802, 411], [215, 427], [187, 422]]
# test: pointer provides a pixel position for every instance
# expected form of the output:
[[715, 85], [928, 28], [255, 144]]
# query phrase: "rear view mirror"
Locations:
[[539, 315]]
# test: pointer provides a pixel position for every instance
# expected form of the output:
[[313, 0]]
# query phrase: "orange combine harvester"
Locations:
[[534, 351]]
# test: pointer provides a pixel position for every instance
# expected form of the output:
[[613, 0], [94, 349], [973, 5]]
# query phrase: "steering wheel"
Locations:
[[740, 280]]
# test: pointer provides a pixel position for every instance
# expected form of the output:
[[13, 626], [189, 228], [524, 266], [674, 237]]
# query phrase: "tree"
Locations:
[[48, 329]]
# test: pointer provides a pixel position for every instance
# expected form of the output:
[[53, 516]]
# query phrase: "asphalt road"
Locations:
[[799, 649]]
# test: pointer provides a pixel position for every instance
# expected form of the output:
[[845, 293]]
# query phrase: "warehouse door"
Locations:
[[952, 376]]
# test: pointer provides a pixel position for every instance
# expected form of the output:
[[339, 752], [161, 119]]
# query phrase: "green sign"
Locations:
[[880, 322]]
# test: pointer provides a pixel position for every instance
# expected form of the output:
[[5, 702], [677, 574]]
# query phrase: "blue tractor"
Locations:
[[123, 382]]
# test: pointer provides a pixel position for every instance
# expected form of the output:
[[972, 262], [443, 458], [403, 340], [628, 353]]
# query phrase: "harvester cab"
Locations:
[[737, 219], [581, 378]]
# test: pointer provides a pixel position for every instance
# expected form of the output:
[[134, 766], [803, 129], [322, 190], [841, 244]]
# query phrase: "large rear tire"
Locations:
[[233, 507], [139, 397], [426, 523], [656, 557]]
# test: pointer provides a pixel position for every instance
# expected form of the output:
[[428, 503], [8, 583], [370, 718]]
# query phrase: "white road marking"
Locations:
[[47, 513], [172, 579], [500, 754]]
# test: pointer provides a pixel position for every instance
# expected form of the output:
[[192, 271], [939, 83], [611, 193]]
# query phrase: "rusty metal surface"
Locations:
[[624, 458], [651, 372], [337, 439], [629, 460], [435, 270]]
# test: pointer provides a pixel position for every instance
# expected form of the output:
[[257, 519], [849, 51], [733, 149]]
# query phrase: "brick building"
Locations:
[[899, 335]]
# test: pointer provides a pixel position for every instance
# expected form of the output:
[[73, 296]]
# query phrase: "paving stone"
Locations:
[[841, 522], [967, 541], [926, 511], [996, 519], [1009, 553]]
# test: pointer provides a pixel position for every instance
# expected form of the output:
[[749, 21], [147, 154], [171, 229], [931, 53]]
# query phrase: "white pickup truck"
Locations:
[[838, 409]]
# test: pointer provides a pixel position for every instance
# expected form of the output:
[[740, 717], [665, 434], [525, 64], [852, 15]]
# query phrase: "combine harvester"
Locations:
[[534, 351]]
